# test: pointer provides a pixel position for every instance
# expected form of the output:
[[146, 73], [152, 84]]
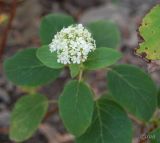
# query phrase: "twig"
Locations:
[[142, 128], [5, 5], [8, 27], [4, 130], [50, 113], [144, 133]]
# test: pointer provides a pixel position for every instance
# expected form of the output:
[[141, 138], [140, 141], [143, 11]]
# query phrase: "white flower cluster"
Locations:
[[72, 44]]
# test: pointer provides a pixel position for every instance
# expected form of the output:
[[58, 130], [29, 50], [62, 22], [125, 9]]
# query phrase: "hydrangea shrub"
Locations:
[[80, 48]]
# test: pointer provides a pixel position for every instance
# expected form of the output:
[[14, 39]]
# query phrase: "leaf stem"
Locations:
[[137, 121], [81, 72], [53, 101], [80, 75]]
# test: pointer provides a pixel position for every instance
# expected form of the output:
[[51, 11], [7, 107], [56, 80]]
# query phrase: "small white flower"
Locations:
[[72, 44]]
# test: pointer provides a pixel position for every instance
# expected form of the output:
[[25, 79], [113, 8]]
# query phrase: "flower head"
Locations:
[[72, 44]]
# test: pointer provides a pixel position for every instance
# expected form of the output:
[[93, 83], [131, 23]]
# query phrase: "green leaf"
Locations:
[[26, 116], [76, 107], [105, 33], [26, 70], [110, 124], [101, 58], [134, 90], [150, 32], [154, 136], [51, 24], [47, 58], [158, 96], [74, 70]]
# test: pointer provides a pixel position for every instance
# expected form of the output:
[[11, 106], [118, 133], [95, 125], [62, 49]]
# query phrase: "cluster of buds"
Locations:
[[72, 44]]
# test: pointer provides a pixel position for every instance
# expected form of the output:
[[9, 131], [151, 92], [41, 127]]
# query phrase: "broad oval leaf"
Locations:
[[26, 70], [74, 69], [106, 34], [154, 136], [51, 24], [150, 32], [76, 107], [134, 90], [158, 98], [110, 124], [47, 58], [26, 116], [101, 58]]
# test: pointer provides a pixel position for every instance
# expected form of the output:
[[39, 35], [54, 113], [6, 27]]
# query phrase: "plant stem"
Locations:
[[53, 101], [138, 122], [80, 75], [8, 27], [50, 113]]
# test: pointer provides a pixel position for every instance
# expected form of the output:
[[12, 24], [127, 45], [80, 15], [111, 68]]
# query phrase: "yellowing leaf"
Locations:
[[150, 32], [3, 18]]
